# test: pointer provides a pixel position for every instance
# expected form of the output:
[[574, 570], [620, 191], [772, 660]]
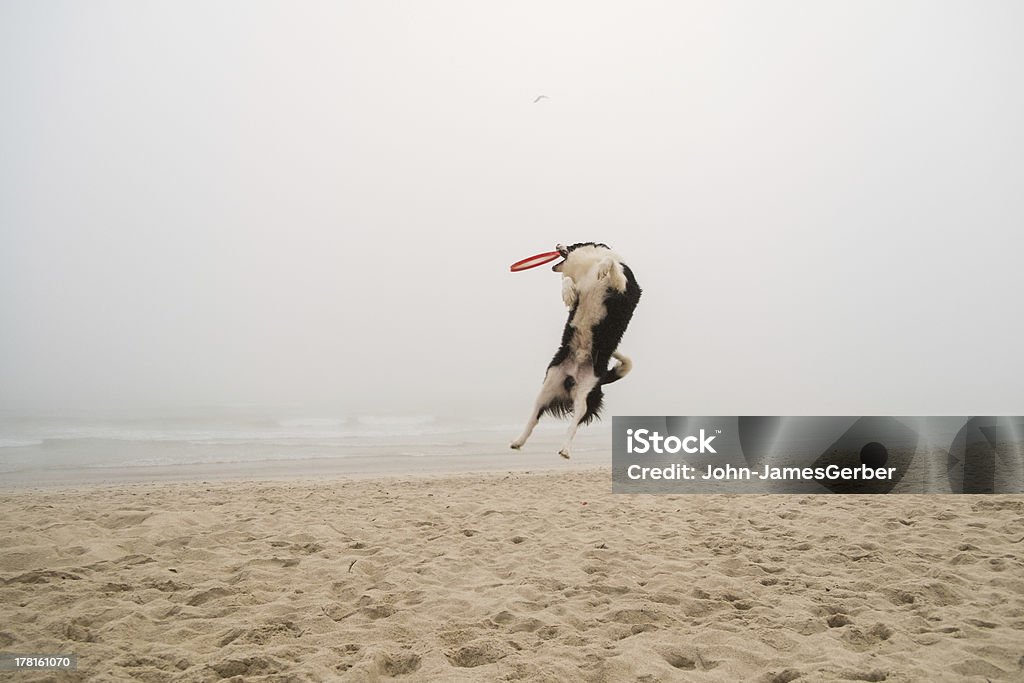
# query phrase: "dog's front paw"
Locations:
[[569, 293], [516, 445]]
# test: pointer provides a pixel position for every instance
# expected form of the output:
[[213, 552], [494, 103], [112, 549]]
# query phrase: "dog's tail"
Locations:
[[619, 370]]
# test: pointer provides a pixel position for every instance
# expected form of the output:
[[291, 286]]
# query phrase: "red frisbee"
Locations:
[[534, 261]]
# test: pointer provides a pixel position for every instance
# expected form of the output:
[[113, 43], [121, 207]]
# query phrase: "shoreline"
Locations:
[[541, 454]]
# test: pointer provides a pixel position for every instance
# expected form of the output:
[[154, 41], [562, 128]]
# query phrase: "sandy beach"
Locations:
[[532, 576]]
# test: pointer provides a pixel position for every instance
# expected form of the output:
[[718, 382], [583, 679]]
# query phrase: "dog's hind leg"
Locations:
[[584, 385], [553, 384]]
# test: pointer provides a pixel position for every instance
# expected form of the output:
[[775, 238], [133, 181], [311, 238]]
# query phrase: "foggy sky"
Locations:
[[317, 203]]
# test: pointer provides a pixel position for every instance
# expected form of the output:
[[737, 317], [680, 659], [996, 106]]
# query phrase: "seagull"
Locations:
[[541, 97]]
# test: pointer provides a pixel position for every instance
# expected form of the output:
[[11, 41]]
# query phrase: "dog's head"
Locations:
[[578, 258]]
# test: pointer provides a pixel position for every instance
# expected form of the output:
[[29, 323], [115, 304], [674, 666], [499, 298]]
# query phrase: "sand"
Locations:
[[512, 576]]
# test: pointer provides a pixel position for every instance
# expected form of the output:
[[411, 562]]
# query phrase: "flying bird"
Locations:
[[541, 97]]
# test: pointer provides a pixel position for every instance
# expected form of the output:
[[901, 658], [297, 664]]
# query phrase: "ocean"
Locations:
[[68, 450]]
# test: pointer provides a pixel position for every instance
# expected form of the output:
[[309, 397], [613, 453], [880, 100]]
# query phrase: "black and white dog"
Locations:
[[601, 294]]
